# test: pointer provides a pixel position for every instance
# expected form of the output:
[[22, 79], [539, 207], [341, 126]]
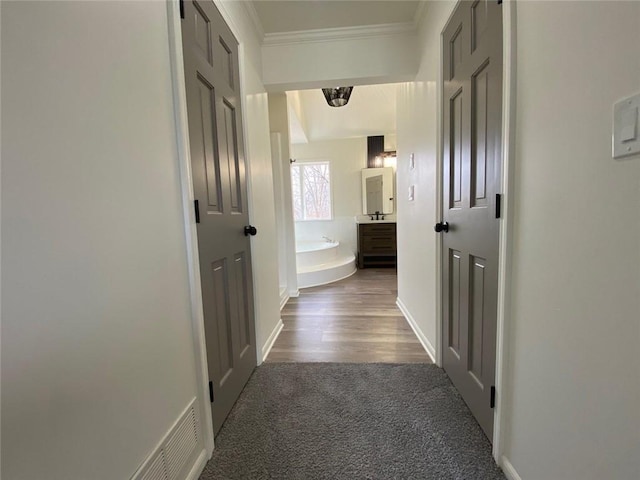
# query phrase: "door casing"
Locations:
[[505, 245]]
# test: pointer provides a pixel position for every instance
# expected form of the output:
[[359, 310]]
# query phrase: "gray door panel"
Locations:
[[219, 183], [472, 106]]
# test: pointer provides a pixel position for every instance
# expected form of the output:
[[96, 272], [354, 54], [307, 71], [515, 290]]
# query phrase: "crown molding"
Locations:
[[342, 33], [255, 19]]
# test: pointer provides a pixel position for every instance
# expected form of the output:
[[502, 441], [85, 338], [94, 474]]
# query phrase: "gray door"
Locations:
[[217, 161], [472, 42]]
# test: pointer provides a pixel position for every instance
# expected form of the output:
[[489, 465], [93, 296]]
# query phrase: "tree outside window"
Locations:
[[311, 188]]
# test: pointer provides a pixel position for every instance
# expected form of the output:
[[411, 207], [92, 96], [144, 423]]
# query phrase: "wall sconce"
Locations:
[[337, 97], [387, 159], [390, 160]]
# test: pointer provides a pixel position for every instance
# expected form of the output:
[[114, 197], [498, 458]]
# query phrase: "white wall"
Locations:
[[348, 157], [417, 133], [391, 140], [297, 119], [575, 320], [97, 352], [371, 111], [279, 123], [281, 218], [355, 61], [97, 346], [264, 245], [573, 377]]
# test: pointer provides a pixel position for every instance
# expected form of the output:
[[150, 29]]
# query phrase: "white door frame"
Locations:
[[191, 234], [186, 187], [506, 222], [506, 226]]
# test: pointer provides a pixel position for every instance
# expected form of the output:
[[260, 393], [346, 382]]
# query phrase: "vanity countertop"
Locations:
[[367, 219]]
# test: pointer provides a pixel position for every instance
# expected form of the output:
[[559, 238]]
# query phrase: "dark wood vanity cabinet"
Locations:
[[376, 245]]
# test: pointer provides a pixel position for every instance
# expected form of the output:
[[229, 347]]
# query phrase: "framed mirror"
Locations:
[[377, 190]]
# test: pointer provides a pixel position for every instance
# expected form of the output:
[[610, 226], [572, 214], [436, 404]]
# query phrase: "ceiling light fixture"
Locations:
[[337, 97]]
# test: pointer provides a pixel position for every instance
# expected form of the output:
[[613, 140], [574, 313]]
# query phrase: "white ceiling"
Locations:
[[290, 16], [371, 111]]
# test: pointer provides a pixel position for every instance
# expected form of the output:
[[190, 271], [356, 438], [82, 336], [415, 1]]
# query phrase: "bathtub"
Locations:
[[321, 262]]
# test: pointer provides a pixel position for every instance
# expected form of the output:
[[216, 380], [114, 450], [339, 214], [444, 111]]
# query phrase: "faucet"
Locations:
[[377, 215]]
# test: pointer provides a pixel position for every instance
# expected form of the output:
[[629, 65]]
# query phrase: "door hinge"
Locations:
[[498, 205], [196, 206], [181, 4], [211, 391], [492, 402], [499, 2]]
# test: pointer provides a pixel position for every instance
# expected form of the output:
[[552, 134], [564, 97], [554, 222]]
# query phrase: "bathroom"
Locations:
[[334, 168], [323, 155]]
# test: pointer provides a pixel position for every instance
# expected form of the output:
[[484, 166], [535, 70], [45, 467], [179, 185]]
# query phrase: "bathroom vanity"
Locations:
[[377, 244], [377, 236]]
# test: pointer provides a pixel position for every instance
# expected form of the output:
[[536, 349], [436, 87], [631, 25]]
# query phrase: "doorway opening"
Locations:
[[335, 169]]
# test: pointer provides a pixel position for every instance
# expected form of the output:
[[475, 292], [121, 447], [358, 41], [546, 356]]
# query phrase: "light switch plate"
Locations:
[[626, 127]]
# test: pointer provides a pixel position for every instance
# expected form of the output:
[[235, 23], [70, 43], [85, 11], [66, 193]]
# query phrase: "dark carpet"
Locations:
[[351, 421]]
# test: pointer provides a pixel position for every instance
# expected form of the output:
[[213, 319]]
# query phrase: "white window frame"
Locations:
[[301, 165]]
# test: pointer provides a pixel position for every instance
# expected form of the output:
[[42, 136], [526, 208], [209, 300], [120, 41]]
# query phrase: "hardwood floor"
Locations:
[[353, 320]]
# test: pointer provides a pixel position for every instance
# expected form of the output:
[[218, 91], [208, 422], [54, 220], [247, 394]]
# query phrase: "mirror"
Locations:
[[377, 190]]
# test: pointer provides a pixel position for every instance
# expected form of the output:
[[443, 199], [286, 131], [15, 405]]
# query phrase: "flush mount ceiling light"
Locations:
[[337, 97]]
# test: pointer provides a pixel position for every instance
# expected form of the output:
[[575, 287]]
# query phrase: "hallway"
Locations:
[[132, 327], [353, 320], [348, 392]]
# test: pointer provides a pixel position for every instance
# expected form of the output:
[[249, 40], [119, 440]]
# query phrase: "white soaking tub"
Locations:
[[322, 262]]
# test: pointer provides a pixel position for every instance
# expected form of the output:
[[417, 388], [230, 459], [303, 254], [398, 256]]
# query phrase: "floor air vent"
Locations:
[[157, 470], [179, 446]]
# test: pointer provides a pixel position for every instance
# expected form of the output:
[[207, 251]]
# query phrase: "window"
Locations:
[[311, 187]]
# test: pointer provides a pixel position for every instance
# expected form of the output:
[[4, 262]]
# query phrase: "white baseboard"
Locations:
[[272, 339], [198, 466], [508, 469], [294, 294], [426, 344], [284, 298]]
